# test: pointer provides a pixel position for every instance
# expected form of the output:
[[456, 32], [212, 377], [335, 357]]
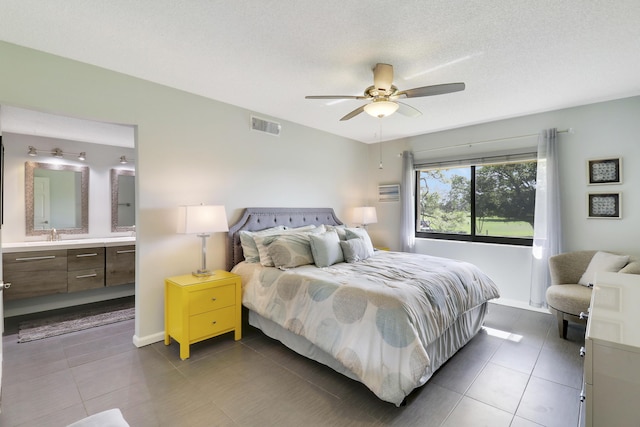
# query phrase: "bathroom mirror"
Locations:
[[56, 196], [123, 200]]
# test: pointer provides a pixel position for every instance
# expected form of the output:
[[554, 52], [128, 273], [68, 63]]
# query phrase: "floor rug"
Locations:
[[71, 322]]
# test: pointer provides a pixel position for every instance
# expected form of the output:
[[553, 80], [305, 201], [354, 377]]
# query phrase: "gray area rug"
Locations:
[[64, 324]]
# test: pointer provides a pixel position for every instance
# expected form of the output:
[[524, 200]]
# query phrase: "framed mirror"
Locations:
[[123, 200], [56, 196]]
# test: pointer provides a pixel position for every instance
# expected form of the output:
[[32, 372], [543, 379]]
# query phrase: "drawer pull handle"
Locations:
[[584, 315], [126, 252], [34, 258], [84, 255], [583, 351], [84, 276]]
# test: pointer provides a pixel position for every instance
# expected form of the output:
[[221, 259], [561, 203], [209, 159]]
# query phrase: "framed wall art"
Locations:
[[389, 193], [604, 171], [604, 205]]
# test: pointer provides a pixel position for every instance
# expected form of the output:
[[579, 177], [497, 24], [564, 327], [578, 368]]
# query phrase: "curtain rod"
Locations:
[[470, 144]]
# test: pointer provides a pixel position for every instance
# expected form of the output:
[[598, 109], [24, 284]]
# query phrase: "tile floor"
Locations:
[[526, 377]]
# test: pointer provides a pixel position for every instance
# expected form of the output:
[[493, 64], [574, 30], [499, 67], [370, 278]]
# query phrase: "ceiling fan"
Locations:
[[384, 95]]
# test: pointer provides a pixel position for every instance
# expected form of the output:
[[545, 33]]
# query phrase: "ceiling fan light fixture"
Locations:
[[382, 108]]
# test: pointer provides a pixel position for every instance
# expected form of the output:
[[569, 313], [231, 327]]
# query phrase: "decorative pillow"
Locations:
[[354, 250], [263, 241], [249, 248], [326, 249], [603, 261], [290, 250], [340, 229], [361, 233]]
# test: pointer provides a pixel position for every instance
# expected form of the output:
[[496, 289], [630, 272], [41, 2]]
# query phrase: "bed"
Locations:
[[386, 319]]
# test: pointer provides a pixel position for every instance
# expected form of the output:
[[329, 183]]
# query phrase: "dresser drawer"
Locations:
[[81, 259], [212, 299], [81, 280], [211, 323]]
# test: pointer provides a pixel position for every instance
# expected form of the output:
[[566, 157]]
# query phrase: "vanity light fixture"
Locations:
[[124, 160], [57, 153]]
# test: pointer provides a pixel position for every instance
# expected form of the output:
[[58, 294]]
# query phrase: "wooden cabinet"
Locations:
[[198, 308], [121, 265], [37, 273], [33, 274], [612, 352], [85, 269]]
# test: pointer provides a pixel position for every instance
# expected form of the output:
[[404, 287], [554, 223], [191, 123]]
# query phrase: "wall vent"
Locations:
[[261, 125]]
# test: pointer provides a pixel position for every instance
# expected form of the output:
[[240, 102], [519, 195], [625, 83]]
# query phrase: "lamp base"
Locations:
[[203, 273]]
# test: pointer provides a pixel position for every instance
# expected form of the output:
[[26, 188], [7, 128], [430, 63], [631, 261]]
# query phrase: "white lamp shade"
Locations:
[[381, 108], [365, 215], [201, 219]]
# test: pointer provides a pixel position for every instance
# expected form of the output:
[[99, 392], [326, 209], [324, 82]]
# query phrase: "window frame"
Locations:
[[472, 236]]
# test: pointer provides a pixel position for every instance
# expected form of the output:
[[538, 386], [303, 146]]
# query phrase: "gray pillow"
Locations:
[[354, 250], [361, 233], [326, 249]]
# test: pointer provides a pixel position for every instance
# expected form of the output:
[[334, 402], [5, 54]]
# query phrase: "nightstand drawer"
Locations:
[[212, 299], [211, 323]]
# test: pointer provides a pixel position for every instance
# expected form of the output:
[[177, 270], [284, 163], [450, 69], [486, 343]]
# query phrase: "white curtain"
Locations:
[[547, 236], [407, 221]]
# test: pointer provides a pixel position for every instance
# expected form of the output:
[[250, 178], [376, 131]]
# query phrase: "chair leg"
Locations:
[[563, 324]]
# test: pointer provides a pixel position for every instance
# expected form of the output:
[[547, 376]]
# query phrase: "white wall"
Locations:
[[188, 150], [602, 130]]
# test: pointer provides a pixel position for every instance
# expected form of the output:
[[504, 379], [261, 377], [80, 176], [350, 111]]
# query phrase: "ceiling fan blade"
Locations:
[[383, 77], [353, 113], [407, 110], [336, 97], [431, 90]]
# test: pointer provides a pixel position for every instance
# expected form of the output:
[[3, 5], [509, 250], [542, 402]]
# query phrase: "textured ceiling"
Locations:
[[516, 57]]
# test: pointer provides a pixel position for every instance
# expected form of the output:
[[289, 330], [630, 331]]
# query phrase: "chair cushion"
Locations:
[[571, 299]]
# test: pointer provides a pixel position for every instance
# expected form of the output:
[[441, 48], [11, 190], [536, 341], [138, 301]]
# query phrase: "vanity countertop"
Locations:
[[42, 245]]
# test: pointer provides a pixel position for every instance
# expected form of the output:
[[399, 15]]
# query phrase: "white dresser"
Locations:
[[612, 352]]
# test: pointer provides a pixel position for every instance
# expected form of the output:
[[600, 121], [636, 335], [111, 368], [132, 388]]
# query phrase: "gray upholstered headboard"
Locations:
[[254, 219]]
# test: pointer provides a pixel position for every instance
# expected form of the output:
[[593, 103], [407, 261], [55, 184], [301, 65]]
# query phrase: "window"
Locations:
[[489, 202]]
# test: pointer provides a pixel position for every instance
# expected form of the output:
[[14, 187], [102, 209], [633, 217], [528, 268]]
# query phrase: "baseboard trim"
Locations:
[[148, 339], [519, 304]]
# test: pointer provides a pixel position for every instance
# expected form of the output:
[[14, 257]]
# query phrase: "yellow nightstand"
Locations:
[[199, 308]]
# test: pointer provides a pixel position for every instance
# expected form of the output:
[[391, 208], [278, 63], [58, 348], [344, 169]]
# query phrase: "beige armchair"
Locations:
[[565, 297]]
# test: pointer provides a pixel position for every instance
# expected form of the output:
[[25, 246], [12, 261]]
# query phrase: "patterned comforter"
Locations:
[[376, 316]]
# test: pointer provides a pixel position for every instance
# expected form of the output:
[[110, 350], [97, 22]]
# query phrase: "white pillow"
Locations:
[[603, 261], [249, 248]]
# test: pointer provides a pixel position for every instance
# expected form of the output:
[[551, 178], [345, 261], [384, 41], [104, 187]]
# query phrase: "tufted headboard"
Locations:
[[254, 219]]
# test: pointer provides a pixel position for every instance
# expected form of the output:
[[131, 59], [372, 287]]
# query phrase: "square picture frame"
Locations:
[[389, 193], [604, 171], [604, 205]]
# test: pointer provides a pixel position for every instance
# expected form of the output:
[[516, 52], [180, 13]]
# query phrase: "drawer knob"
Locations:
[[213, 299], [583, 351], [214, 322]]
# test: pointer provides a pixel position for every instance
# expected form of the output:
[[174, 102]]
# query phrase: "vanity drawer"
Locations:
[[33, 274], [81, 280], [120, 265], [80, 259]]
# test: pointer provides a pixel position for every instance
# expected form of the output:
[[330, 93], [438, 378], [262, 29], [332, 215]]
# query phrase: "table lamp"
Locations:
[[365, 215], [202, 220]]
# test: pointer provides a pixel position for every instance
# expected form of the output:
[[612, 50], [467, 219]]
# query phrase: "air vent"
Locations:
[[261, 125]]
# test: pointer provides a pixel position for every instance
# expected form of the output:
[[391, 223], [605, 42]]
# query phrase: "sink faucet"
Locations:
[[53, 235]]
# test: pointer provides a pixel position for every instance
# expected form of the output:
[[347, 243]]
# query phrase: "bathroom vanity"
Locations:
[[37, 269]]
